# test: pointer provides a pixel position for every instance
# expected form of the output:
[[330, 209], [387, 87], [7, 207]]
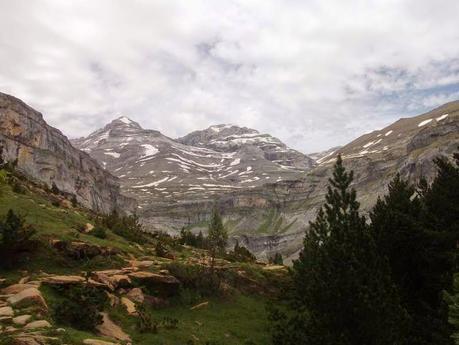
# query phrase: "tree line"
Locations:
[[381, 282]]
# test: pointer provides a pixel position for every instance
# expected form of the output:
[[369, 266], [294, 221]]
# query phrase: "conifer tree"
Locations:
[[342, 294], [217, 236], [440, 216], [401, 239]]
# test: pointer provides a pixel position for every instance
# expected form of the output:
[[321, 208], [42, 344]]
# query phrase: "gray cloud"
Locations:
[[313, 73]]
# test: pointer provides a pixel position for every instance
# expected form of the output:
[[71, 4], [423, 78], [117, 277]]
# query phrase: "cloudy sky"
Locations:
[[315, 73]]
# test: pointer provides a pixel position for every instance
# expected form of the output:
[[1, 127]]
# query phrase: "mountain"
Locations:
[[161, 172], [45, 155], [268, 192]]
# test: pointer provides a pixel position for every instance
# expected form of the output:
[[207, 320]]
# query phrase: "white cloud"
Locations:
[[315, 73]]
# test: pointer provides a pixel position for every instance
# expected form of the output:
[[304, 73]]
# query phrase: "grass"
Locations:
[[237, 321]]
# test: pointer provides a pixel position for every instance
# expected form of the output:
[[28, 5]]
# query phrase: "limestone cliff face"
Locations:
[[45, 155]]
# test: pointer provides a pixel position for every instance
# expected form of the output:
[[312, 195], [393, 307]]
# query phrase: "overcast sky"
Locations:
[[313, 73]]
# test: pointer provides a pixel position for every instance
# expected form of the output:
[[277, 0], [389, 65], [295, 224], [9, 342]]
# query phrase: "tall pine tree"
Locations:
[[343, 294], [400, 237], [217, 236], [440, 216]]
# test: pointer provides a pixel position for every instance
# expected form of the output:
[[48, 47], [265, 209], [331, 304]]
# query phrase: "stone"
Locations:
[[24, 280], [38, 324], [6, 311], [28, 297], [97, 342], [21, 319], [16, 288], [200, 305], [129, 305], [141, 264], [25, 340], [103, 279], [136, 295], [110, 329], [63, 280], [88, 227], [156, 302], [113, 300], [121, 281]]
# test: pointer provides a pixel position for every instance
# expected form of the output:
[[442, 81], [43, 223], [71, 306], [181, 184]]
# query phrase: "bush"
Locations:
[[128, 227], [17, 187], [81, 307], [196, 277], [160, 250], [145, 323], [15, 237], [190, 239], [276, 259], [241, 254], [99, 232]]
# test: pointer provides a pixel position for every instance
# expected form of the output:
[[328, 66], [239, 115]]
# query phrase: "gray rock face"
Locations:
[[45, 155]]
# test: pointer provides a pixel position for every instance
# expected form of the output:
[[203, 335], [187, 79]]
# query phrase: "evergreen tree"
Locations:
[[342, 294], [440, 216], [400, 237], [217, 236]]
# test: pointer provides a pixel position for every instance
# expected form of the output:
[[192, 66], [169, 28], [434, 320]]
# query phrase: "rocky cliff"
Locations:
[[45, 155]]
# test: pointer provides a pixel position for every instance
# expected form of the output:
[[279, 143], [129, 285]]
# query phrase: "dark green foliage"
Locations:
[[276, 259], [198, 278], [80, 307], [342, 292], [17, 187], [54, 189], [145, 323], [217, 236], [99, 232], [15, 238], [128, 227], [190, 239], [74, 201], [240, 254], [160, 249], [453, 303]]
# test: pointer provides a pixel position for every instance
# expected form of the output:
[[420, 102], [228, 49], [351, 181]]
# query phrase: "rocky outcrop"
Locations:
[[45, 155]]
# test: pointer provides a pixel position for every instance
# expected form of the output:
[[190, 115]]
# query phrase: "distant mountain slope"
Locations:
[[230, 138], [44, 154], [157, 169]]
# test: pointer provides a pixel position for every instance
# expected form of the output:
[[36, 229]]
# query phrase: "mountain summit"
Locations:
[[203, 165]]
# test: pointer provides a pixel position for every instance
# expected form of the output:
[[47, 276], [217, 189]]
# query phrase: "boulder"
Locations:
[[25, 340], [136, 295], [163, 284], [129, 305], [121, 281], [28, 297], [6, 311], [141, 264], [63, 280], [110, 329], [156, 302], [38, 324], [21, 319], [103, 279], [88, 227]]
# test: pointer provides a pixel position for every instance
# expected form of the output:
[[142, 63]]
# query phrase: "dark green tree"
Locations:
[[15, 238], [342, 291], [440, 216], [217, 235], [402, 240]]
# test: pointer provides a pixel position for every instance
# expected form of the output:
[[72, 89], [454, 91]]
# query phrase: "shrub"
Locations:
[[276, 259], [160, 249], [128, 227], [145, 323], [190, 239], [241, 254], [196, 277], [80, 307], [99, 232], [15, 237]]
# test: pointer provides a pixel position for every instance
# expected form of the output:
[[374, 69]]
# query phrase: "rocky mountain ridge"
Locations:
[[163, 172], [45, 155]]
